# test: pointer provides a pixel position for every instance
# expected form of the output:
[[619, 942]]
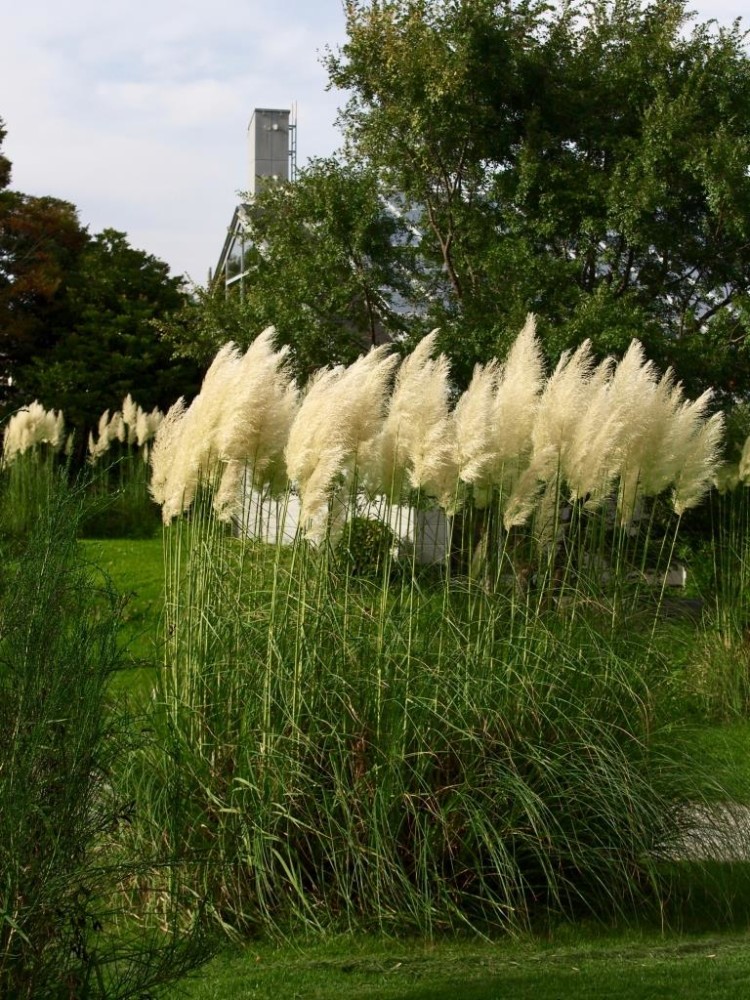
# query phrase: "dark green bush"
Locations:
[[365, 547]]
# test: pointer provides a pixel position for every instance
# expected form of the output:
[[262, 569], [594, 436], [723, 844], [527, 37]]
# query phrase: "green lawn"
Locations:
[[631, 968], [136, 570]]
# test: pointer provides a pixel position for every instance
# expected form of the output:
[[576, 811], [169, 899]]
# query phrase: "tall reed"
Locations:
[[427, 748], [32, 444], [118, 476]]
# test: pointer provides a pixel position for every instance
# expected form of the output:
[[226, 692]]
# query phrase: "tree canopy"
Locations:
[[77, 314], [587, 162], [326, 262]]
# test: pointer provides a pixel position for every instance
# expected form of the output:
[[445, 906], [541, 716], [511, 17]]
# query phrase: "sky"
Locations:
[[136, 111]]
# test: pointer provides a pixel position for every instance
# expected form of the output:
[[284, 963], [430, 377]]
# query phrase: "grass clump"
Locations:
[[63, 924], [480, 747]]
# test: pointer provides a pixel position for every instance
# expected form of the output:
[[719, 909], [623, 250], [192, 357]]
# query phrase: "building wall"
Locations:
[[277, 521], [268, 147]]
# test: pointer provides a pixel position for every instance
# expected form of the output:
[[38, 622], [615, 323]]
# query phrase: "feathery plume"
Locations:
[[339, 417], [516, 402], [163, 454], [743, 471], [416, 445], [561, 406], [30, 426], [476, 440], [130, 418], [257, 421], [700, 459], [591, 462], [196, 458]]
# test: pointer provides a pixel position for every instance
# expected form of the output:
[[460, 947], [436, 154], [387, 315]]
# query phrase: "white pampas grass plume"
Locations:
[[560, 408], [416, 445], [727, 477], [743, 471], [645, 450], [142, 429], [30, 426], [518, 386], [528, 487], [667, 441], [147, 424], [196, 458], [116, 428], [591, 462], [99, 445], [257, 421], [340, 414], [304, 455], [475, 437], [130, 418], [517, 396], [163, 454], [700, 456]]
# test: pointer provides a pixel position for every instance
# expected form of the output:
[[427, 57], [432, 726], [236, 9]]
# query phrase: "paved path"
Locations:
[[717, 832]]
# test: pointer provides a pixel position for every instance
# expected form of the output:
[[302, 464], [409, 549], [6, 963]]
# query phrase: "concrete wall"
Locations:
[[277, 521], [268, 147]]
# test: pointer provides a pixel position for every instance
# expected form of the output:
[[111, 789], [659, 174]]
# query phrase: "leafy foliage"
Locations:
[[326, 264], [366, 546], [63, 929], [587, 162], [109, 346], [77, 313]]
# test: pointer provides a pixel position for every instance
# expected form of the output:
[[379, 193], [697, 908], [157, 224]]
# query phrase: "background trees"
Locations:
[[589, 163], [328, 263], [77, 312]]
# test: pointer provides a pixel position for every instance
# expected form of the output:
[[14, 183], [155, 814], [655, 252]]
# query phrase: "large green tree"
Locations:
[[588, 162], [327, 262], [41, 240], [77, 314], [109, 346]]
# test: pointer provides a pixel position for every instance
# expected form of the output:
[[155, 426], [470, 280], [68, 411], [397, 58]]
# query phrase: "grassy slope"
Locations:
[[702, 967]]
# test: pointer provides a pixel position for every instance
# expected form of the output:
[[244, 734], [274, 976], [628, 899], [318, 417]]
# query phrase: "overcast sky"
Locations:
[[137, 110]]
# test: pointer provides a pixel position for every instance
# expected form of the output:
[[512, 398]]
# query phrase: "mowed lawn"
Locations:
[[135, 568], [630, 968]]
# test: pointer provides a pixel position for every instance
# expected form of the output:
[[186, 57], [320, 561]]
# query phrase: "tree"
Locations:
[[588, 163], [77, 314], [109, 346], [4, 161], [326, 263], [41, 240]]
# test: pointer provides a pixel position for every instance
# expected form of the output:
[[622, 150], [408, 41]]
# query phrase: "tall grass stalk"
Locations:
[[65, 924], [416, 748], [421, 755]]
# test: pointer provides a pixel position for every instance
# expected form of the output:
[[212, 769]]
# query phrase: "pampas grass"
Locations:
[[415, 446], [30, 428], [338, 419], [32, 446], [254, 433], [401, 749], [195, 458], [130, 426]]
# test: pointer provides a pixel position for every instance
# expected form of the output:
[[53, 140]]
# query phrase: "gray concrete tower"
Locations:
[[269, 147]]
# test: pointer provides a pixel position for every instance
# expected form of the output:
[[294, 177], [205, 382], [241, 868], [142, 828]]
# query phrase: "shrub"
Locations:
[[366, 547]]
